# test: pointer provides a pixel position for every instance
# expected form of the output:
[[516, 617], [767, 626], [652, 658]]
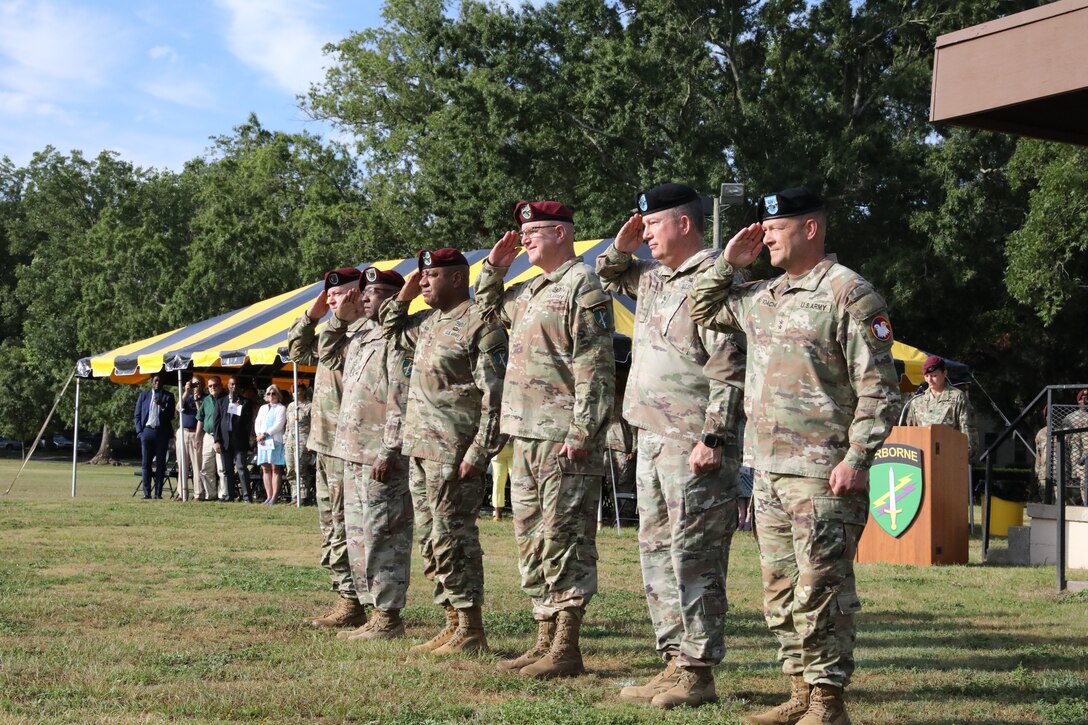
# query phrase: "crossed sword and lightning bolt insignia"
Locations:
[[890, 498]]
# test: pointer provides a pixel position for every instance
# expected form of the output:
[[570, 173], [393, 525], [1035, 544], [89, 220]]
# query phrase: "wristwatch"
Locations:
[[712, 441]]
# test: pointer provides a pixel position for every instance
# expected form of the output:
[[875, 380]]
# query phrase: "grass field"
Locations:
[[114, 609]]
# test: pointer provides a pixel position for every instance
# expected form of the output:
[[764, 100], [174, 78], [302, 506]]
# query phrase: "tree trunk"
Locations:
[[103, 457]]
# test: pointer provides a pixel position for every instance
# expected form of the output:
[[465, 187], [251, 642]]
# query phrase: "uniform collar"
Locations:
[[809, 281], [457, 312], [687, 265], [556, 275]]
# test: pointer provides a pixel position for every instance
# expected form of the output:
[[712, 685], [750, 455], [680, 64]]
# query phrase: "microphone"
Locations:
[[918, 393]]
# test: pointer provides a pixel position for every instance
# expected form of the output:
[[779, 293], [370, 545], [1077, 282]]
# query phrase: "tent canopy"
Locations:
[[256, 336]]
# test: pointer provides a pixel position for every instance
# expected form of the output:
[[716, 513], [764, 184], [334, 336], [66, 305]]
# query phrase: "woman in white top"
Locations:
[[269, 426]]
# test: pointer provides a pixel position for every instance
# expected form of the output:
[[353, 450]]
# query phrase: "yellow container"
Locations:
[[1004, 514]]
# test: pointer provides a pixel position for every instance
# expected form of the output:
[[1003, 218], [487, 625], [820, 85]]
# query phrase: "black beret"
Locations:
[[344, 275], [445, 257], [789, 202], [665, 196]]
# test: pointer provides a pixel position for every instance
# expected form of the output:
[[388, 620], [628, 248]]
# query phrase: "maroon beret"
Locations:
[[373, 275], [445, 257], [537, 211], [933, 362], [344, 275]]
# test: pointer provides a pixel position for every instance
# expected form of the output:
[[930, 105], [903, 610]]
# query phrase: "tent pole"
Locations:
[[183, 456], [75, 440], [37, 439], [294, 448]]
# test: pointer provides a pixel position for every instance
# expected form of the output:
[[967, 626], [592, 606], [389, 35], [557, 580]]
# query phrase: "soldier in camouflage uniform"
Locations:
[[684, 394], [298, 412], [820, 395], [340, 294], [942, 404], [377, 502], [451, 432], [556, 405]]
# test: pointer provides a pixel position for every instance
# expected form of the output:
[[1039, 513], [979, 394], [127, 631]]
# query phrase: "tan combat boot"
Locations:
[[469, 636], [694, 686], [346, 613], [825, 707], [387, 624], [790, 711], [563, 658], [442, 637], [349, 633], [661, 681], [545, 631]]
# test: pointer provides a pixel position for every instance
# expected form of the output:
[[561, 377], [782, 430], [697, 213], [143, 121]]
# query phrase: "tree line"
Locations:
[[456, 111]]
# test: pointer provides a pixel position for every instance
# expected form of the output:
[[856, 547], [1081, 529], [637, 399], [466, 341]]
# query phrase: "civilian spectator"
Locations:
[[234, 422], [213, 482], [269, 427], [188, 406], [152, 418]]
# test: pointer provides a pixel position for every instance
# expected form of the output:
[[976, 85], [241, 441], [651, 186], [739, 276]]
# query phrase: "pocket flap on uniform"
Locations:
[[847, 509], [848, 602]]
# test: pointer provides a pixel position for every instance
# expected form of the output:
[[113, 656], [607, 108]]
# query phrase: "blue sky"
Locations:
[[153, 80]]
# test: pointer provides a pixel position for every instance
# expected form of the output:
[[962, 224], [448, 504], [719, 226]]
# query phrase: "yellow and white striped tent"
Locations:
[[257, 335]]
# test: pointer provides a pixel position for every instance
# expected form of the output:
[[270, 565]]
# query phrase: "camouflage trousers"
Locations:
[[686, 525], [555, 524], [378, 518], [807, 540], [307, 470], [446, 509], [330, 514]]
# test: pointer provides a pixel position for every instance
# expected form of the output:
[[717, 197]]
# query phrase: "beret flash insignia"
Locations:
[[771, 202], [372, 275], [526, 212], [642, 205], [427, 259], [334, 280]]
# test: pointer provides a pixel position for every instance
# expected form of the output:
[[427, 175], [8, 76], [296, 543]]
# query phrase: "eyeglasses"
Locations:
[[528, 233]]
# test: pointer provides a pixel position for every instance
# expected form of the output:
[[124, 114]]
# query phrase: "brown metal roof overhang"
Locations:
[[1025, 74]]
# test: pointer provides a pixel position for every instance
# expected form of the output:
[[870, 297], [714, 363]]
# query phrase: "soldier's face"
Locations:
[[541, 240], [936, 380], [664, 234], [440, 285], [372, 297], [341, 298], [785, 239]]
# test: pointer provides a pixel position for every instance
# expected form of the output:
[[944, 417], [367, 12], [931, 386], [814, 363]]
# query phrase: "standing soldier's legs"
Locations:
[[348, 612], [330, 511], [289, 466], [386, 546], [423, 520], [686, 525], [354, 489], [807, 541], [555, 509], [308, 475]]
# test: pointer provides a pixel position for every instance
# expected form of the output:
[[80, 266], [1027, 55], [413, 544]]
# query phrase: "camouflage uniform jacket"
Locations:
[[301, 412], [820, 383], [950, 407], [375, 391], [685, 380], [325, 406], [455, 393], [622, 436], [561, 376]]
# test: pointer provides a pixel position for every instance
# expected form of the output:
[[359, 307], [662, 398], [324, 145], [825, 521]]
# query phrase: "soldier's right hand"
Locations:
[[411, 288], [745, 246], [629, 237], [319, 307], [505, 250]]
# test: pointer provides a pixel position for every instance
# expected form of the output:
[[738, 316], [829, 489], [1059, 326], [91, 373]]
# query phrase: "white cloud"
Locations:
[[183, 92], [23, 104], [163, 52], [49, 51], [279, 38]]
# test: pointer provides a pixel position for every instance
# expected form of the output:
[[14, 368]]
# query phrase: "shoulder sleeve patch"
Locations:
[[493, 339], [597, 304], [867, 308], [594, 298]]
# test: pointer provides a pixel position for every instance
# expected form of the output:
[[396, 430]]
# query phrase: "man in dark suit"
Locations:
[[233, 426], [152, 418]]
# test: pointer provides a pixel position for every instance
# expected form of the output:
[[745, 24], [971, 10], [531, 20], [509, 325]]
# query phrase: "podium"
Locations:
[[918, 499]]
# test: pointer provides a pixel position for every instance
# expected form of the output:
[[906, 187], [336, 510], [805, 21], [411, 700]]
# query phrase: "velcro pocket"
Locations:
[[494, 339], [845, 509], [848, 602]]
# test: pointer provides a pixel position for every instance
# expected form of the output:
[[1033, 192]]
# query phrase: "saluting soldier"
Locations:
[[683, 395], [340, 294], [942, 404], [377, 502], [820, 396], [560, 383], [451, 432]]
